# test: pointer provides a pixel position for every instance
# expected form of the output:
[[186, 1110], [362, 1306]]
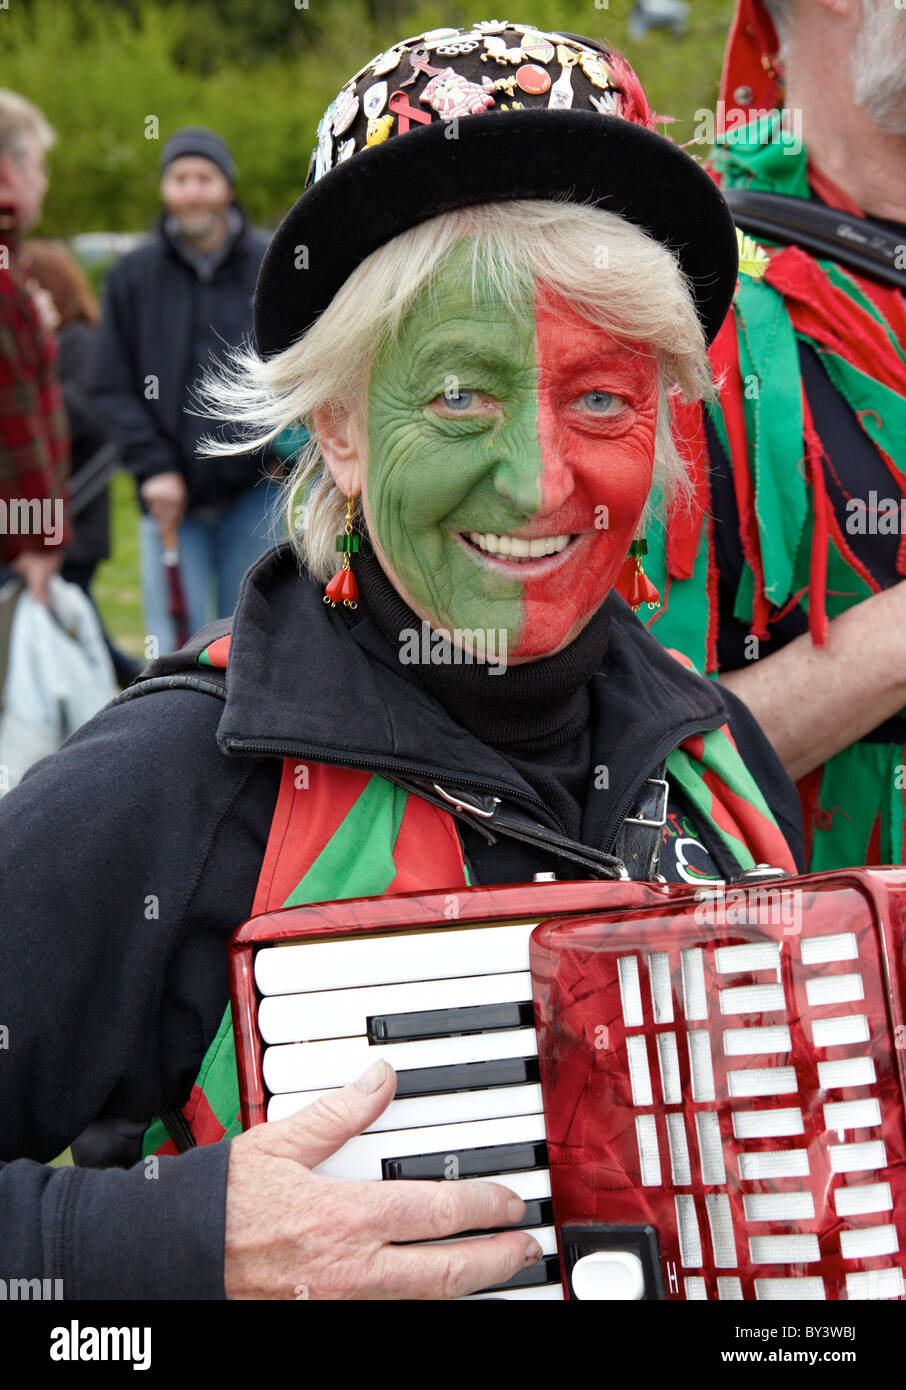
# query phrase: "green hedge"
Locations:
[[260, 72]]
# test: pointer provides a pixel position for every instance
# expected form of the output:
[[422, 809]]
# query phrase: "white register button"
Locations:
[[614, 1274]]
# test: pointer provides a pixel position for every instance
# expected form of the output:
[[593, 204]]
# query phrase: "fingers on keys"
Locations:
[[432, 1210]]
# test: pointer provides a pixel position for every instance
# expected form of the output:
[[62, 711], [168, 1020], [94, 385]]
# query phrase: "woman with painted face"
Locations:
[[498, 280]]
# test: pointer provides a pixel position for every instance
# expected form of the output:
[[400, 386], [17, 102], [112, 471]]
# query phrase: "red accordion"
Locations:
[[697, 1093]]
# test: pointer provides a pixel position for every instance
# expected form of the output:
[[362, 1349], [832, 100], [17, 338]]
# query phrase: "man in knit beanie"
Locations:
[[178, 300]]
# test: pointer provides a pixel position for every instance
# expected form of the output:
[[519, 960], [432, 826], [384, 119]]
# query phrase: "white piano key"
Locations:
[[695, 996], [852, 1114], [784, 1250], [817, 950], [756, 955], [761, 1081], [844, 1029], [752, 999], [532, 1186], [343, 1013], [745, 1042], [319, 1065], [875, 1283], [452, 1108], [803, 1289], [352, 962], [360, 1157], [859, 1201], [868, 1242], [834, 989], [857, 1158], [779, 1206], [847, 1071], [774, 1163], [767, 1124], [630, 991]]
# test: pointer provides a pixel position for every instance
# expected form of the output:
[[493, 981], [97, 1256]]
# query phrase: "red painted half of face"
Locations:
[[597, 418]]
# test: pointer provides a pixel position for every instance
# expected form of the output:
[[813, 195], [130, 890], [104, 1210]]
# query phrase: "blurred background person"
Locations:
[[34, 444], [170, 306], [790, 579], [71, 309]]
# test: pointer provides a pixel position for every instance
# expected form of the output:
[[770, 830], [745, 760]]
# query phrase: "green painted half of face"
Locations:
[[432, 476]]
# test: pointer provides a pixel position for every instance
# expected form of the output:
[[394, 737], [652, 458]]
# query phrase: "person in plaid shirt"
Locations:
[[34, 441]]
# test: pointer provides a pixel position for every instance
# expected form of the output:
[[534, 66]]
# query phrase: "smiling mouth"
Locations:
[[516, 548]]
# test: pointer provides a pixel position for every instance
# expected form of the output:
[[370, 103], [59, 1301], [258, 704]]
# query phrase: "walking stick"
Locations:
[[177, 605]]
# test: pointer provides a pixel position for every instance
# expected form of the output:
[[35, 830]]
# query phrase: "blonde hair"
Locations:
[[22, 123], [612, 272]]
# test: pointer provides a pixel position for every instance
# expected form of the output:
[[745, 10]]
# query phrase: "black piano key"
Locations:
[[469, 1163], [546, 1271], [538, 1212], [444, 1023], [468, 1076]]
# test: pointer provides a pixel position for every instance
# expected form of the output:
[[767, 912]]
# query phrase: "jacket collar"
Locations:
[[302, 684]]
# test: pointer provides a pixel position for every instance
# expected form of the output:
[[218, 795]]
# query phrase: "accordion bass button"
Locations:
[[609, 1274]]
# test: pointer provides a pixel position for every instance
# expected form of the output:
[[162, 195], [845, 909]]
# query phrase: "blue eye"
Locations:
[[459, 400], [600, 401]]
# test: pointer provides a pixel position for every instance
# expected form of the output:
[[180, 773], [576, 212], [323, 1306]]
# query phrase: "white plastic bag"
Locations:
[[59, 674]]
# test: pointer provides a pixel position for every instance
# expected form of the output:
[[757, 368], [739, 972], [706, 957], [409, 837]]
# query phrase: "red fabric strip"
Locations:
[[300, 829], [427, 853]]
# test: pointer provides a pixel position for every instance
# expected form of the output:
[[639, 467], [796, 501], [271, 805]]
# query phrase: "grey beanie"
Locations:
[[198, 140]]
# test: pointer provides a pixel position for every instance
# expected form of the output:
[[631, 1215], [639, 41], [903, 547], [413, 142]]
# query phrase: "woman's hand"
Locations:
[[293, 1234]]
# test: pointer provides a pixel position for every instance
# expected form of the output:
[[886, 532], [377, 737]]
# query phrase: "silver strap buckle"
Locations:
[[643, 820]]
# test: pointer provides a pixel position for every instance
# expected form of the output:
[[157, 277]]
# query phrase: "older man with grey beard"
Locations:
[[788, 577]]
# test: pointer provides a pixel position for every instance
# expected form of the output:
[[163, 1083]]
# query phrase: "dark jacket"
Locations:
[[91, 527], [111, 1008], [161, 323]]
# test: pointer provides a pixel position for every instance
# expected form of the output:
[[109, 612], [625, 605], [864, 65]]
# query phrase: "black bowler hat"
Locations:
[[486, 114]]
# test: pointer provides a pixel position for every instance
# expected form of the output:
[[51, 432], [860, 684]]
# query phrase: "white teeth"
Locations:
[[517, 548]]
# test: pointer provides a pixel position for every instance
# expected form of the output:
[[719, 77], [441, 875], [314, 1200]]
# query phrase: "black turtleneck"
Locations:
[[536, 715]]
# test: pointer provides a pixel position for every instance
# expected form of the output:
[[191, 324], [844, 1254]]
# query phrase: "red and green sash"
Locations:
[[794, 550], [339, 834]]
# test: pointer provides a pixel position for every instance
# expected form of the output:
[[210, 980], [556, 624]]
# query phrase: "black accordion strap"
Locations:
[[856, 243]]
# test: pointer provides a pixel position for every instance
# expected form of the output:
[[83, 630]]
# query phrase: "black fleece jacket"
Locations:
[[129, 857]]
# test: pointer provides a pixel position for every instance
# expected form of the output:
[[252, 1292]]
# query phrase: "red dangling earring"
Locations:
[[632, 582], [343, 588]]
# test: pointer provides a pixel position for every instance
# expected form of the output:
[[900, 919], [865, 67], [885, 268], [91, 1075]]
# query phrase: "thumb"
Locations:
[[313, 1134]]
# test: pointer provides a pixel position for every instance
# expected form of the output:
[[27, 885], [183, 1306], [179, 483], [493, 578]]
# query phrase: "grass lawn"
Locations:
[[116, 588]]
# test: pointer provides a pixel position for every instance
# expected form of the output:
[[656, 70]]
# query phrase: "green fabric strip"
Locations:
[[854, 788], [357, 861], [684, 622], [204, 659], [769, 361], [686, 772]]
